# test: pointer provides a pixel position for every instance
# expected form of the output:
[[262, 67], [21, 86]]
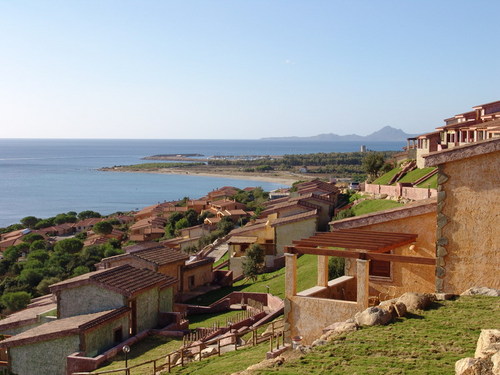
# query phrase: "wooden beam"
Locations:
[[329, 252], [401, 259]]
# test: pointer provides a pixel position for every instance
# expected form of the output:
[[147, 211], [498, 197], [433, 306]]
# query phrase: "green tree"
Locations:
[[254, 262], [372, 164], [103, 227], [38, 245], [88, 214], [69, 245], [16, 300], [225, 225], [32, 237], [336, 267], [29, 221], [80, 270], [43, 287]]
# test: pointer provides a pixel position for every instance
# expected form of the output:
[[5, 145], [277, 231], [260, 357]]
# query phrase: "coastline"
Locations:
[[282, 178]]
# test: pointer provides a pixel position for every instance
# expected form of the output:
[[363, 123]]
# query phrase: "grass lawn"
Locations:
[[208, 320], [222, 259], [416, 174], [385, 178], [306, 278], [373, 205], [150, 348], [425, 344], [227, 363], [431, 182]]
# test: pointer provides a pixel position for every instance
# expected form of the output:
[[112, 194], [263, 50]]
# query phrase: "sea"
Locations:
[[45, 177]]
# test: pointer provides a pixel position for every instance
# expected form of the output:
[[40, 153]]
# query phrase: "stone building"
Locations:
[[468, 216]]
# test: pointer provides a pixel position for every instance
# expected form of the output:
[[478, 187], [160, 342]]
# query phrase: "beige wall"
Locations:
[[468, 224], [310, 315], [87, 299], [286, 233], [166, 299], [202, 275], [406, 277], [47, 357]]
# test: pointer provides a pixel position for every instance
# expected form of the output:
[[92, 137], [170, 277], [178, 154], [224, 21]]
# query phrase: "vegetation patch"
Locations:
[[384, 179], [416, 174], [373, 205], [426, 343]]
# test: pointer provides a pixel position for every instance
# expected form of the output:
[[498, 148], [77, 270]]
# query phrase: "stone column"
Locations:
[[322, 270], [290, 275], [362, 277]]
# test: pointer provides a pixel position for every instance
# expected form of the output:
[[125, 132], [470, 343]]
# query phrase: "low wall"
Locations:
[[325, 312], [407, 192]]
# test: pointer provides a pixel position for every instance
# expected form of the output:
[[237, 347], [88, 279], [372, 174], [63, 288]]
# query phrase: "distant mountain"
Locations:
[[386, 134]]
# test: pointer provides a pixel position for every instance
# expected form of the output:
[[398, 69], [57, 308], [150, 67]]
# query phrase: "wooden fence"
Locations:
[[181, 357]]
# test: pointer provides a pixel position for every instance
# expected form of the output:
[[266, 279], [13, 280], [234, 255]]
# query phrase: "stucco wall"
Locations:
[[101, 338], [43, 358], [236, 265], [286, 233], [147, 309], [310, 315], [468, 224], [406, 277], [87, 299]]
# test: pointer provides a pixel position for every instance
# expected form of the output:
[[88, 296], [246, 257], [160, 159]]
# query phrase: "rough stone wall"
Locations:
[[102, 338], [308, 316], [406, 277], [468, 248], [87, 299], [43, 358], [166, 299], [147, 309], [285, 234]]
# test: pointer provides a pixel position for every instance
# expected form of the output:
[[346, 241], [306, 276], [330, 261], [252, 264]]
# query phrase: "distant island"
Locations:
[[386, 134]]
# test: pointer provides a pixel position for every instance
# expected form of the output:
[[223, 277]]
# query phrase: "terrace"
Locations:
[[339, 299]]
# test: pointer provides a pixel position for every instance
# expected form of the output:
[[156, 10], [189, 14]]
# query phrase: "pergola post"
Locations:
[[322, 270], [362, 277], [290, 275]]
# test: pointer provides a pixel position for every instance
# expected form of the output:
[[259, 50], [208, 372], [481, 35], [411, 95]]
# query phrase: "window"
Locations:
[[118, 335], [380, 268]]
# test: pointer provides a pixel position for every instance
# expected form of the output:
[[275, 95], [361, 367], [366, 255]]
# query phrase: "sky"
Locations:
[[213, 69]]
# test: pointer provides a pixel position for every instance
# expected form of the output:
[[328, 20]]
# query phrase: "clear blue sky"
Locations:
[[242, 69]]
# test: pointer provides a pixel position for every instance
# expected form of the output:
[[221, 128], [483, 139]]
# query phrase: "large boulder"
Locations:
[[481, 291], [337, 329], [373, 316], [488, 343], [396, 308], [472, 366], [416, 301]]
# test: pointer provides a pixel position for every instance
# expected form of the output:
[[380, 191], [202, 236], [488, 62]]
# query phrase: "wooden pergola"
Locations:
[[359, 244]]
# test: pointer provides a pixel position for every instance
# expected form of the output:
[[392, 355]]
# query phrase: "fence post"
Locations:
[[254, 337], [169, 364], [235, 342], [154, 367], [200, 351], [182, 357], [271, 343], [218, 347]]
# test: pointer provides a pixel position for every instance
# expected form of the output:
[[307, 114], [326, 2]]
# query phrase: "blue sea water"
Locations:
[[44, 177]]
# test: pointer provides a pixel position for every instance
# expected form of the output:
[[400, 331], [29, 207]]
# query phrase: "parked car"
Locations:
[[354, 186]]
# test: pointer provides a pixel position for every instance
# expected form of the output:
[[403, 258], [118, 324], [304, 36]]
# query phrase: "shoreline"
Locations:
[[285, 179]]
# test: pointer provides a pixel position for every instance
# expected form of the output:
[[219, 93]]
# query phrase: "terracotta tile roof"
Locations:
[[199, 262], [248, 228], [62, 327], [242, 239], [141, 246], [161, 255], [294, 218], [125, 280], [88, 222], [281, 206]]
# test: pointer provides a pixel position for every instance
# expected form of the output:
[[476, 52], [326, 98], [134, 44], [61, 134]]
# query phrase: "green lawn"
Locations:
[[385, 178], [306, 278], [227, 363], [416, 174], [373, 205], [208, 320], [150, 348], [431, 182], [425, 344]]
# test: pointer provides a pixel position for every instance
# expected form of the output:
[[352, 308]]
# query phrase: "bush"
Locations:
[[336, 267], [254, 262], [16, 300]]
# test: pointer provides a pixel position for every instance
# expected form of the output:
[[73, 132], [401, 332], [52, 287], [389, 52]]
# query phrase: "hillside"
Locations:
[[386, 134]]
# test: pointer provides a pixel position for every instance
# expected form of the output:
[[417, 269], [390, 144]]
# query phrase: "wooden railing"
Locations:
[[184, 355]]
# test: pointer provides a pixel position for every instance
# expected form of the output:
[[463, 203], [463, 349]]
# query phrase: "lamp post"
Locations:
[[126, 350]]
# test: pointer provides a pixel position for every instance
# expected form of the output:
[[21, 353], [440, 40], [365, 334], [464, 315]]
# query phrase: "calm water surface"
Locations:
[[46, 177]]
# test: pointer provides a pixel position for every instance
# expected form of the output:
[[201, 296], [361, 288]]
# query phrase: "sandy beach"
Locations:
[[284, 178]]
